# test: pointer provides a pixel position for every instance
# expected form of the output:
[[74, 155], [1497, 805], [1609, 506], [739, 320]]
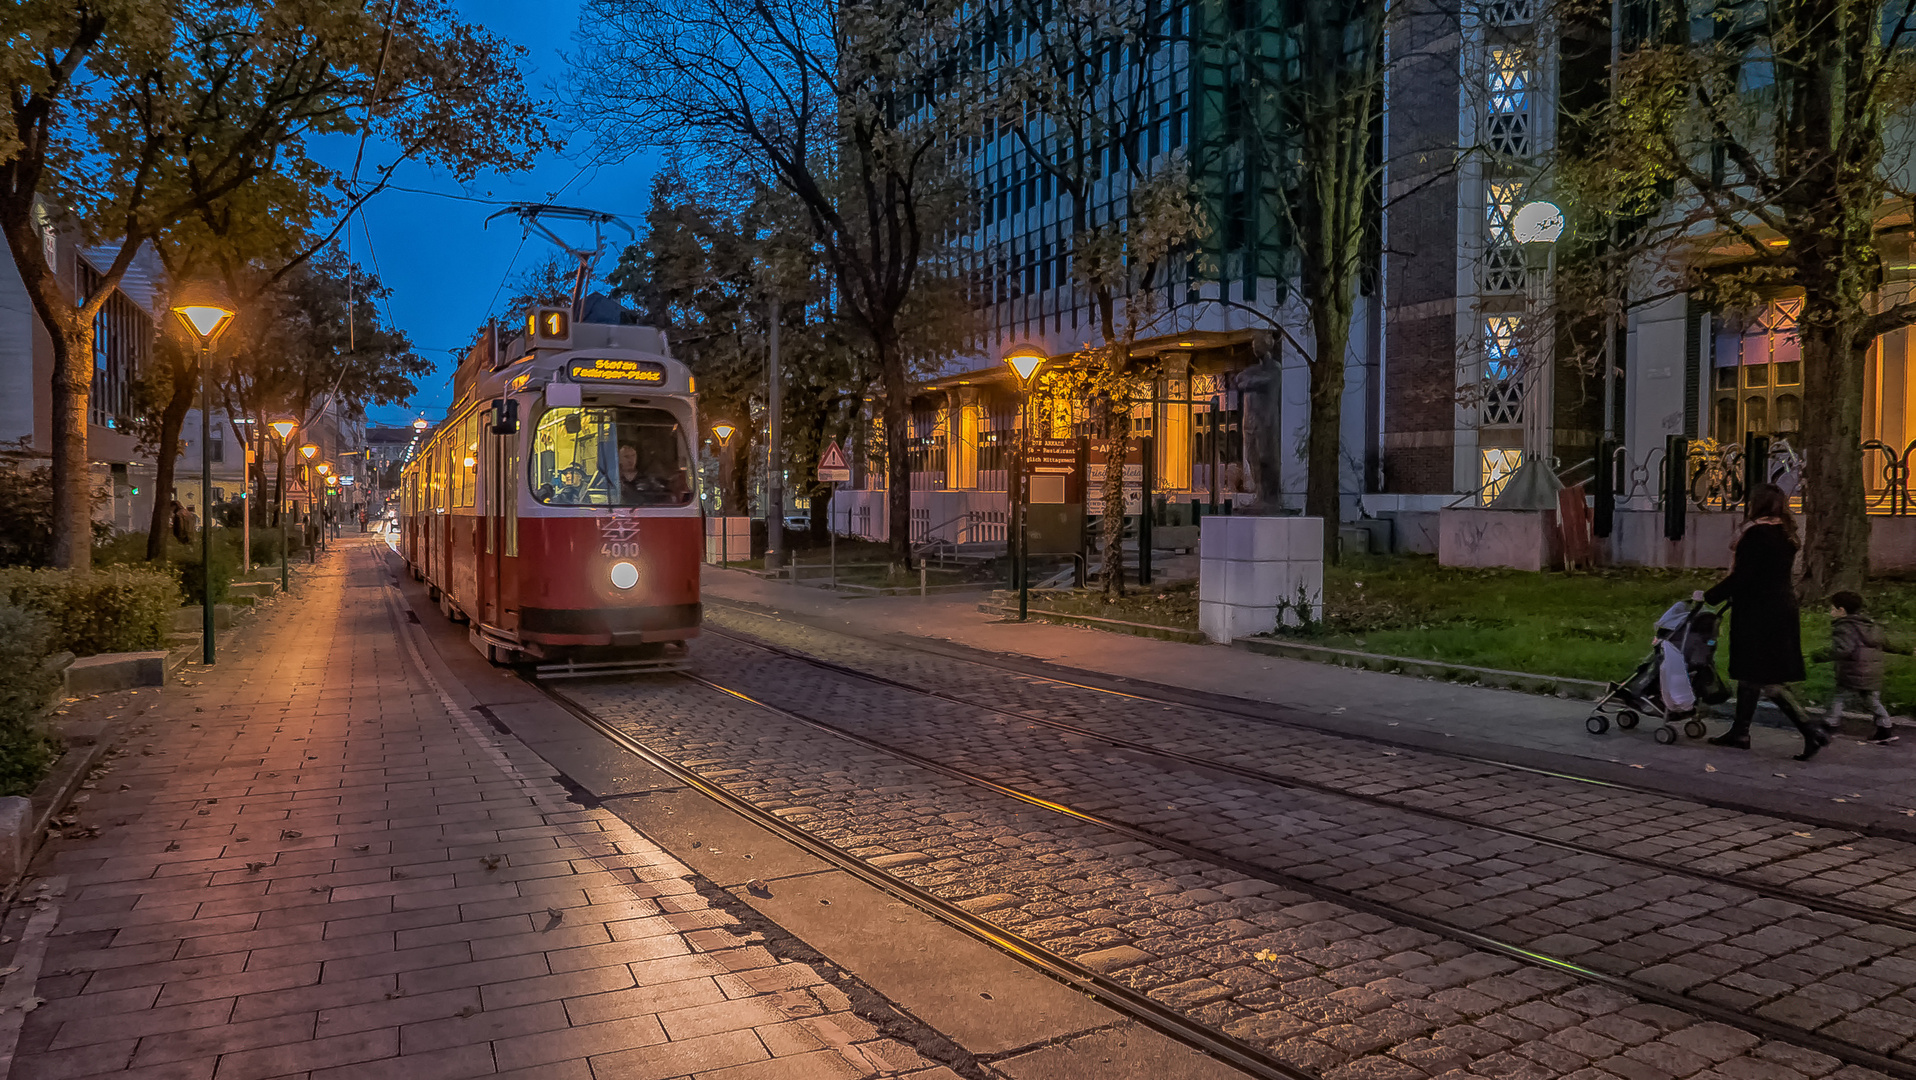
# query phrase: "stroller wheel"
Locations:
[[1666, 734], [1597, 724], [1627, 719], [1696, 729]]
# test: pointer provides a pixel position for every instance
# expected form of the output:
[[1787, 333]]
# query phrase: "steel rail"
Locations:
[[1830, 905], [1836, 1048], [1243, 1056]]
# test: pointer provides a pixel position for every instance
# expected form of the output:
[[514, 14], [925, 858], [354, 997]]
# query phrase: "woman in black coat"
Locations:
[[1766, 634]]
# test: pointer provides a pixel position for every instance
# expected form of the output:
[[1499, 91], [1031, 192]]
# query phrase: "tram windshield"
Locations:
[[609, 456]]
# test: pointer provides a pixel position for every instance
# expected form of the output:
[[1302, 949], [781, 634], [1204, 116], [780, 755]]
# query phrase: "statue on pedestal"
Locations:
[[1260, 389]]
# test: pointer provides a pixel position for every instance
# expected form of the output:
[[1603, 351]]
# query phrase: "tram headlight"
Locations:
[[624, 575]]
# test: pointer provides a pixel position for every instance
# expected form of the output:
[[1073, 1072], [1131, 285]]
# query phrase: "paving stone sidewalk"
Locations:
[[313, 863]]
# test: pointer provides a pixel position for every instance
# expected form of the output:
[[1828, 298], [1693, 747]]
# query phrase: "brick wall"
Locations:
[[1420, 322]]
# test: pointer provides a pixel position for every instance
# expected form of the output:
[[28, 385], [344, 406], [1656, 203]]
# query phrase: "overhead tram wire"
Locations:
[[386, 300], [352, 183]]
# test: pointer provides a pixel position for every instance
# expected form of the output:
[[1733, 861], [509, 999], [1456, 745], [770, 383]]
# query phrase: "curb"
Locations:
[[1548, 685], [1135, 629], [49, 799], [84, 750]]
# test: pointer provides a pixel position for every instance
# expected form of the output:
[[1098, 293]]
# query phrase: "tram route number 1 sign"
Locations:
[[833, 468]]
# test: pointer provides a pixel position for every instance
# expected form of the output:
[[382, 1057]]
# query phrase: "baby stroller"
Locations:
[[1676, 682]]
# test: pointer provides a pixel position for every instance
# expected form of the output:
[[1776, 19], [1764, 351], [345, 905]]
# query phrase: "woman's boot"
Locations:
[[1814, 737], [1738, 737]]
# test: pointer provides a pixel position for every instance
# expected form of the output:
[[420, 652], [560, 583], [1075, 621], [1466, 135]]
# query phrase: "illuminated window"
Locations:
[[1503, 256], [1508, 115], [1509, 81], [1498, 463], [616, 456], [1758, 373], [1503, 387]]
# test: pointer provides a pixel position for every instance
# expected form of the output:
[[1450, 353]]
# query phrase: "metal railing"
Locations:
[[1893, 496], [980, 527]]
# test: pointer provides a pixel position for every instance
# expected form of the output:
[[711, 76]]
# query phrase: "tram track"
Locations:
[[1155, 1013], [1830, 905], [1250, 1059], [1272, 714]]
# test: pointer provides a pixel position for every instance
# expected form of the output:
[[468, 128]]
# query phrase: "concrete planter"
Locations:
[[116, 671], [1256, 573], [1477, 537]]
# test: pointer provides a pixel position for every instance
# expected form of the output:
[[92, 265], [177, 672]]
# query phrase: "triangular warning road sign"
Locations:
[[834, 458]]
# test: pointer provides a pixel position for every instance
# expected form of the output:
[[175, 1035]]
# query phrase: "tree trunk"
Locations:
[[72, 475], [166, 460], [1836, 521], [279, 490], [1330, 323], [1117, 435], [897, 459]]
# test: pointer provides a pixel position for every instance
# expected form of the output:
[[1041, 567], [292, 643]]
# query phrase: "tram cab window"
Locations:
[[609, 456]]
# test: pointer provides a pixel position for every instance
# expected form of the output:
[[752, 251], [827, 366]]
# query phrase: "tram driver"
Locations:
[[571, 489], [651, 487]]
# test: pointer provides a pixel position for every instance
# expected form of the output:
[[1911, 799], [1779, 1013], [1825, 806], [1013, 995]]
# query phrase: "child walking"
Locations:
[[1857, 647]]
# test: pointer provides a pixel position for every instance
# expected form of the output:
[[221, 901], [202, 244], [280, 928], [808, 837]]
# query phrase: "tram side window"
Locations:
[[615, 456]]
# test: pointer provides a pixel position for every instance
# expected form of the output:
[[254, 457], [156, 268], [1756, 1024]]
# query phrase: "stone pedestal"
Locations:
[[1257, 573], [1483, 537], [728, 538]]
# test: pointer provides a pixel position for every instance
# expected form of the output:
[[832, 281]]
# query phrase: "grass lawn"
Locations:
[[1590, 625], [1594, 625]]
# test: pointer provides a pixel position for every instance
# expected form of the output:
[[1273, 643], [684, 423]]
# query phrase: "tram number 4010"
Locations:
[[618, 550]]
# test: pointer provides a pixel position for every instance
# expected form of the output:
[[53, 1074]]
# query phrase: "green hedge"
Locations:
[[26, 686], [129, 549], [112, 609]]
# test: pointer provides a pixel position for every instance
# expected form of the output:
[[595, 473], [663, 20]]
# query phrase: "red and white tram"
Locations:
[[554, 508]]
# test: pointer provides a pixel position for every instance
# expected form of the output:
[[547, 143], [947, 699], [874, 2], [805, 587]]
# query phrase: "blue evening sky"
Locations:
[[443, 264]]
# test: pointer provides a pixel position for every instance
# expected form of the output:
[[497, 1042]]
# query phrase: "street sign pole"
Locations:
[[833, 469]]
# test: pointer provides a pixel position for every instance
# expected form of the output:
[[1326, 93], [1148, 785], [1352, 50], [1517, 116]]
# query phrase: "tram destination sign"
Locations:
[[606, 370]]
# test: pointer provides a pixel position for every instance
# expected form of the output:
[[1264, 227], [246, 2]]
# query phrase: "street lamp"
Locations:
[[284, 430], [306, 482], [1025, 362], [724, 433], [1533, 486], [203, 310]]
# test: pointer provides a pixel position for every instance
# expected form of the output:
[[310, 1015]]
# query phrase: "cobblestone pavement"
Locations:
[[312, 864], [1350, 995], [1871, 872], [1847, 978]]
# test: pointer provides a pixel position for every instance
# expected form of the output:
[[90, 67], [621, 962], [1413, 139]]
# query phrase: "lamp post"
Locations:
[[1533, 486], [326, 477], [724, 433], [207, 316], [246, 493], [1542, 223], [283, 429], [306, 482], [1024, 363]]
